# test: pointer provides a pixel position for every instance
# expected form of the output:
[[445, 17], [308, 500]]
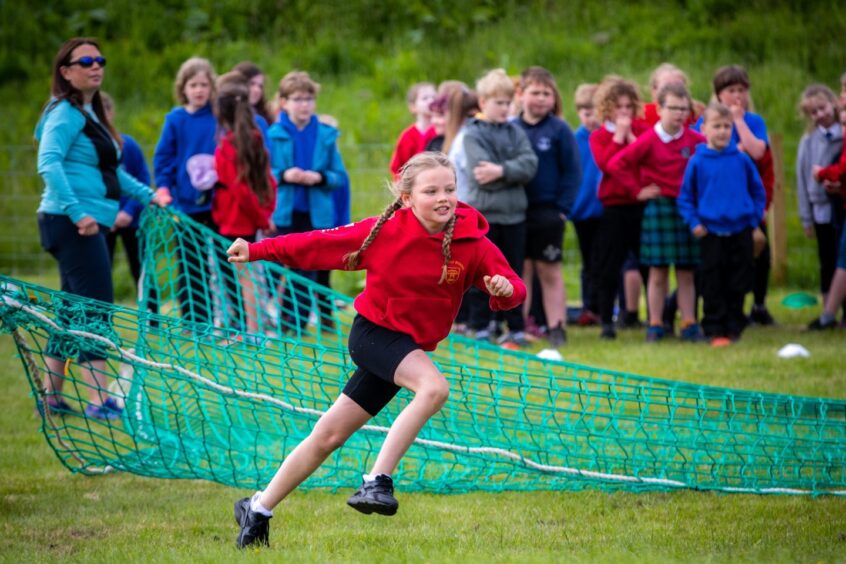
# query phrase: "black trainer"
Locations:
[[557, 336], [255, 527], [819, 325], [760, 315], [376, 496]]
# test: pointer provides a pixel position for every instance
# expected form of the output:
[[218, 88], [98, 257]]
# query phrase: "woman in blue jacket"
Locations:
[[78, 155]]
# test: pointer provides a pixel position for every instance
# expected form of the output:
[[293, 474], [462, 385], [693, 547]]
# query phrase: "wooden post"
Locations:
[[776, 220]]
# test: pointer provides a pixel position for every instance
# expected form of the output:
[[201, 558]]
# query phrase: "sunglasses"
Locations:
[[88, 62]]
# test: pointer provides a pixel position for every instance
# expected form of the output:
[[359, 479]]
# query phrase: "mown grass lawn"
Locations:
[[49, 514]]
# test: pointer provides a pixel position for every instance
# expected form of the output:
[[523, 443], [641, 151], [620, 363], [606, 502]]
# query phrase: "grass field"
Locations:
[[50, 514]]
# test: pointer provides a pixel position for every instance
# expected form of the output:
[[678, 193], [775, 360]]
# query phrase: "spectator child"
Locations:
[[587, 208], [414, 138], [463, 104], [731, 88], [420, 255], [438, 107], [255, 79], [246, 193], [837, 291], [652, 168], [188, 135], [550, 193], [722, 201], [665, 74], [309, 170], [617, 104], [500, 162], [819, 147]]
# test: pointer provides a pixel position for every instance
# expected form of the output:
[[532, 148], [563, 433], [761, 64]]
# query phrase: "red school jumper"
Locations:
[[411, 141], [611, 192], [403, 265], [236, 209], [651, 161]]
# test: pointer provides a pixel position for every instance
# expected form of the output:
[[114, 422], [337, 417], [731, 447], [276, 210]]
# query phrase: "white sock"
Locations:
[[256, 506], [372, 477]]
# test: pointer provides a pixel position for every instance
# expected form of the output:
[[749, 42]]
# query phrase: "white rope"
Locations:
[[130, 355]]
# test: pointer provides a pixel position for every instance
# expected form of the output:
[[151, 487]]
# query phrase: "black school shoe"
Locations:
[[376, 496], [255, 527]]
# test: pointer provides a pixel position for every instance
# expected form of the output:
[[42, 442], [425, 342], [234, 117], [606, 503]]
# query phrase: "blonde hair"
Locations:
[[666, 68], [495, 83], [583, 98], [298, 81], [813, 91], [420, 162], [188, 70], [609, 91]]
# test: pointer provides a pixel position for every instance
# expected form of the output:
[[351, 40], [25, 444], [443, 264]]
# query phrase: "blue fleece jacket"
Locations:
[[326, 160], [559, 173], [722, 191], [184, 135], [133, 162], [67, 162], [587, 204]]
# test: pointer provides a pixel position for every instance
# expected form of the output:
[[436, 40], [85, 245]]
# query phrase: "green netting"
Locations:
[[205, 398]]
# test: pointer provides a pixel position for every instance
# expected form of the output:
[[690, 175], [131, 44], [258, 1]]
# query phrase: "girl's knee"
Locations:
[[328, 441], [435, 393]]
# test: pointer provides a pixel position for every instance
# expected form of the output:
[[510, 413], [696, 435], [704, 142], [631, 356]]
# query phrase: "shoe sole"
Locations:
[[368, 507]]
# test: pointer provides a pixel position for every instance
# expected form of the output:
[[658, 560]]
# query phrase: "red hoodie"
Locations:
[[236, 208], [611, 192], [403, 267]]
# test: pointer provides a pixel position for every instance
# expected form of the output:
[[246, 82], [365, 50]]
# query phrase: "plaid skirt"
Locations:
[[665, 238]]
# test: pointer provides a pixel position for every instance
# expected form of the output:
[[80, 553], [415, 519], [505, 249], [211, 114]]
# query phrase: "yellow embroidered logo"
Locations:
[[454, 269]]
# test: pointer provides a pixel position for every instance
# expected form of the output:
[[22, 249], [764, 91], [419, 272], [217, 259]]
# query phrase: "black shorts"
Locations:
[[377, 352], [544, 234]]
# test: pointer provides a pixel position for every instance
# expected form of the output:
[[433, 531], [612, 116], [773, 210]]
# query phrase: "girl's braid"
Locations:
[[448, 231], [352, 259]]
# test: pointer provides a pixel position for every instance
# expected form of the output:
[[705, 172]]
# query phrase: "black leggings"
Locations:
[[84, 270]]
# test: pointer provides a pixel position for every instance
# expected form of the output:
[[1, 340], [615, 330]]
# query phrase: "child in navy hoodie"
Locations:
[[722, 200], [550, 193], [189, 131]]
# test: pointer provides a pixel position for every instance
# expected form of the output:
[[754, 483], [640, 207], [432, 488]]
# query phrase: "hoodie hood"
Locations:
[[705, 151]]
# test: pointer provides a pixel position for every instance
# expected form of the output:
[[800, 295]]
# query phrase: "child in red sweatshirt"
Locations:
[[416, 136], [652, 170], [617, 104], [421, 255], [246, 191]]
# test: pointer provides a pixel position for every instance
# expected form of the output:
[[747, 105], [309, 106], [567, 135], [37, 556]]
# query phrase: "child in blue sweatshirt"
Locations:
[[722, 200], [189, 131]]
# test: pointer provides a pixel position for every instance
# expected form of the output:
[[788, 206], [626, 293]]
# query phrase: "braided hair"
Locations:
[[417, 164]]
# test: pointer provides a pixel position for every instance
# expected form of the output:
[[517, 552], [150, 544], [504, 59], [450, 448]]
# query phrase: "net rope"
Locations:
[[238, 364]]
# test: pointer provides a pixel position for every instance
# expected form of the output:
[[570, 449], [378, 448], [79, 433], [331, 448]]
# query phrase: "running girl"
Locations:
[[421, 255]]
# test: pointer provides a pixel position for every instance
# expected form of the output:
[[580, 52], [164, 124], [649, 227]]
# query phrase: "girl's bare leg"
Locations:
[[332, 430], [431, 390]]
